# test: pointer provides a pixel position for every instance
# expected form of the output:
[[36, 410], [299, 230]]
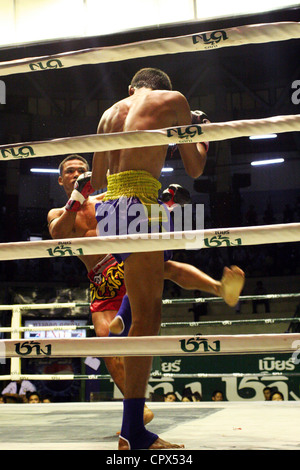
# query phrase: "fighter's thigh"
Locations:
[[144, 279], [145, 270]]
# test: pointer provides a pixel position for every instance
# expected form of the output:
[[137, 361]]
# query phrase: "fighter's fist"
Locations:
[[175, 194], [199, 117], [82, 190]]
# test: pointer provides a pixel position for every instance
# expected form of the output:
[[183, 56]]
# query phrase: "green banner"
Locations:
[[277, 371]]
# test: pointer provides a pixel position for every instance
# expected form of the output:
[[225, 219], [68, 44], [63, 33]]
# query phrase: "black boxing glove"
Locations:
[[175, 194], [82, 190], [199, 117]]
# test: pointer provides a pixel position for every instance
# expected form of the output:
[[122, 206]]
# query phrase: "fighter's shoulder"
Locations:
[[174, 97], [54, 213], [109, 114]]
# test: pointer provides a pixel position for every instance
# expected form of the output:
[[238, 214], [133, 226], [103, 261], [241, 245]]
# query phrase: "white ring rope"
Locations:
[[192, 300], [242, 298], [148, 138], [15, 377], [254, 321], [266, 321], [238, 36], [150, 346], [70, 305], [190, 239]]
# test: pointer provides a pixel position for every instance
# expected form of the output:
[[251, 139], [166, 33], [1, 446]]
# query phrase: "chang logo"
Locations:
[[193, 345], [50, 64], [62, 250], [221, 240], [19, 152], [27, 348], [210, 39]]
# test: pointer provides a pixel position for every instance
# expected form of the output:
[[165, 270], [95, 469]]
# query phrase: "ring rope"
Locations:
[[148, 138], [237, 36], [22, 329], [233, 322], [220, 299], [188, 240], [156, 375], [38, 306], [150, 346], [7, 329]]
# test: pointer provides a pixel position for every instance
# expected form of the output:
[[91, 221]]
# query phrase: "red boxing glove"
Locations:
[[82, 190], [199, 117], [175, 194]]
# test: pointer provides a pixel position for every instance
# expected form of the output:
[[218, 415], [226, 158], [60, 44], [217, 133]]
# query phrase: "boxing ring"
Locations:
[[200, 426]]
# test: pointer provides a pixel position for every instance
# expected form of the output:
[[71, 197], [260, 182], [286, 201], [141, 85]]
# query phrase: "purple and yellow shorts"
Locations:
[[131, 206]]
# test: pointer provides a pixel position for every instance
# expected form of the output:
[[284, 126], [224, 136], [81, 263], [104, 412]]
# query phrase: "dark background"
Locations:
[[234, 83]]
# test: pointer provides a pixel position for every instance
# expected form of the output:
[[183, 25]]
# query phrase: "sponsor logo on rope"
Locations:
[[210, 40], [18, 152], [219, 240], [193, 344], [50, 64], [185, 133], [27, 348], [63, 250], [2, 92]]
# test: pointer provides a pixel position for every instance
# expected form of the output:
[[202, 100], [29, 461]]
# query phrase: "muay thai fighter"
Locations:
[[107, 289], [133, 180]]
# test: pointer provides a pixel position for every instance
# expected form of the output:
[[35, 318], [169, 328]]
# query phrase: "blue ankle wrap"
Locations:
[[125, 314], [133, 429]]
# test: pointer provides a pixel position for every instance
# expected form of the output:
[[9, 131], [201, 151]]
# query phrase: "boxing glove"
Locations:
[[199, 117], [82, 190], [175, 194]]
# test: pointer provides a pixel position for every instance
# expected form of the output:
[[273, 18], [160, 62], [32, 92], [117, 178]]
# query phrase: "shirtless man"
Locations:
[[77, 219], [133, 176], [105, 300]]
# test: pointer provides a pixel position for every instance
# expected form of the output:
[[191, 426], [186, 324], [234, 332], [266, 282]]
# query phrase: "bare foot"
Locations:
[[116, 326], [232, 284], [157, 445]]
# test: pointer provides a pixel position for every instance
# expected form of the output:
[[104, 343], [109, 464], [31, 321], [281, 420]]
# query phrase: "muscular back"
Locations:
[[143, 109]]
